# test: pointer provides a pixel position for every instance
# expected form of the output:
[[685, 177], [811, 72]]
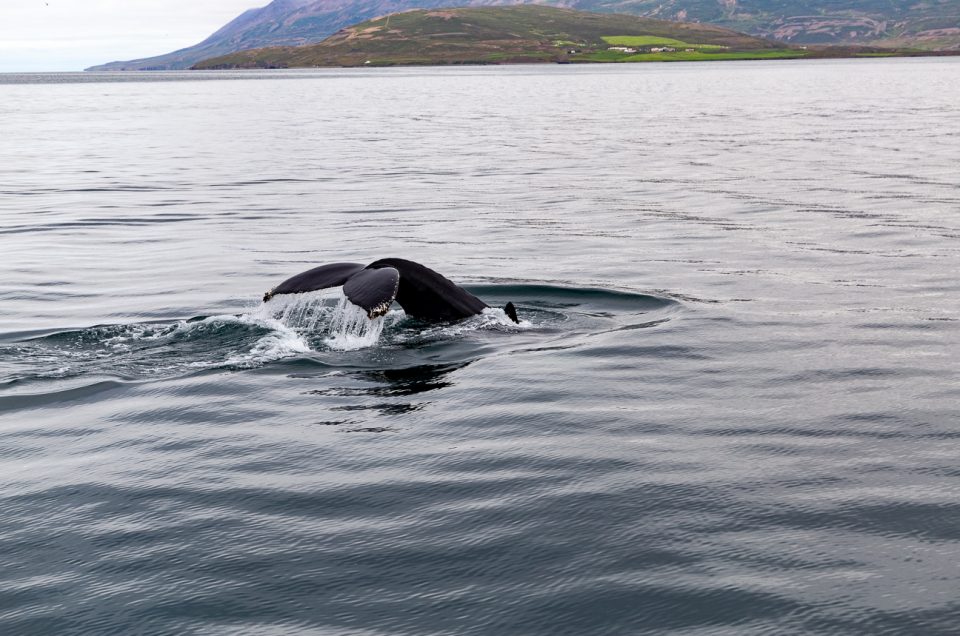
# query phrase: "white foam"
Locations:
[[273, 346], [491, 318], [281, 342], [497, 317]]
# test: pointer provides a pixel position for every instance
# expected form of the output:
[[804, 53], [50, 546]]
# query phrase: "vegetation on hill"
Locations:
[[492, 35], [525, 34]]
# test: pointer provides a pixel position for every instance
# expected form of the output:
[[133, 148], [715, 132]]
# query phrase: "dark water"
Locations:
[[732, 407]]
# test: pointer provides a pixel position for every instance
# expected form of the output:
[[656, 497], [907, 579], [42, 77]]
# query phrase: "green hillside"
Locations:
[[490, 35]]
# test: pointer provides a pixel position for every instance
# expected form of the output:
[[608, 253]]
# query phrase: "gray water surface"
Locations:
[[732, 407]]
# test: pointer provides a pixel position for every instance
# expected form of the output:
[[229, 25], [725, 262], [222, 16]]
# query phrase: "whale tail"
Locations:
[[511, 312], [420, 291]]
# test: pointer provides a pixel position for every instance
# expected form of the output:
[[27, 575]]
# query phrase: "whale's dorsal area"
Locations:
[[422, 292]]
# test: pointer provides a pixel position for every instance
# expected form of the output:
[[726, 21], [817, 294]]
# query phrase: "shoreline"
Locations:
[[744, 56]]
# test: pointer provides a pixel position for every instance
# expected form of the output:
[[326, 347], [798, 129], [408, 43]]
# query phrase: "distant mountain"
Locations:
[[933, 24], [272, 25], [496, 35]]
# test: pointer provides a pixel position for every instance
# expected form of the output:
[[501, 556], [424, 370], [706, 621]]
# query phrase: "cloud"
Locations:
[[69, 35]]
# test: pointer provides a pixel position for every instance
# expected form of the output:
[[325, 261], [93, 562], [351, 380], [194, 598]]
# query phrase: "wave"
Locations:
[[323, 327]]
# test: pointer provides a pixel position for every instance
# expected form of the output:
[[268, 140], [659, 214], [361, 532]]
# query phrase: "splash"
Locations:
[[346, 326], [301, 312], [281, 342], [351, 329], [342, 326]]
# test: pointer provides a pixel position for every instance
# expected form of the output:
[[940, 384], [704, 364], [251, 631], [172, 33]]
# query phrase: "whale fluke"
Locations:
[[373, 290], [428, 295], [332, 275], [420, 291]]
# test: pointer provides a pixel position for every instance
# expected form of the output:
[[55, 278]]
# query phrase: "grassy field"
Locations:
[[650, 40], [691, 56], [701, 56]]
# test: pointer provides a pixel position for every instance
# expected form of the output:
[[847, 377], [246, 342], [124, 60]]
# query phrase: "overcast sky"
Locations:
[[70, 35]]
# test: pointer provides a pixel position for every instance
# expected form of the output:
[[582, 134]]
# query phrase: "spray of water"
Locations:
[[303, 312], [327, 311], [351, 329]]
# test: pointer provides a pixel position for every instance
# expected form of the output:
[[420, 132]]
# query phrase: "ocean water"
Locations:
[[732, 406]]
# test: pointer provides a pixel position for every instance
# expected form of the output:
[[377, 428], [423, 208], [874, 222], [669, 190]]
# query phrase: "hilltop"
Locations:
[[493, 35], [930, 24]]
